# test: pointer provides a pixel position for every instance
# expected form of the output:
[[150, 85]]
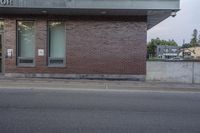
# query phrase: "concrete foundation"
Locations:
[[78, 76]]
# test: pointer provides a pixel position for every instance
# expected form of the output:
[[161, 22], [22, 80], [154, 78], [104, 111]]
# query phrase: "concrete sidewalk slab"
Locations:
[[44, 83]]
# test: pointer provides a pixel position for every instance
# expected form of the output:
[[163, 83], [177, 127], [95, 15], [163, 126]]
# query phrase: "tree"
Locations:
[[199, 41], [194, 40], [152, 45], [151, 48], [186, 45]]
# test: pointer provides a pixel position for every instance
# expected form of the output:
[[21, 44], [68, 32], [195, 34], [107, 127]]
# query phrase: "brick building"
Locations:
[[78, 38]]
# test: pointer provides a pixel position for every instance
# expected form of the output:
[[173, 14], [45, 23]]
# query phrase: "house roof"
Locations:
[[155, 10]]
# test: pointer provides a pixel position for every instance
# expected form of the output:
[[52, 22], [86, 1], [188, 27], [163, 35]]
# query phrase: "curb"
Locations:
[[60, 84]]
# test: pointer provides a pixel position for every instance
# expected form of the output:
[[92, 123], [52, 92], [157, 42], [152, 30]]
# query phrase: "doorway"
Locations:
[[1, 53]]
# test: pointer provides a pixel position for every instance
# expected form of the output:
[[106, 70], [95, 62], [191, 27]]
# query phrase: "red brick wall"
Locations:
[[94, 46]]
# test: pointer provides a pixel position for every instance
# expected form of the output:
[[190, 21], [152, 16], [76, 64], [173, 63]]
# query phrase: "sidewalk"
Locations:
[[60, 84]]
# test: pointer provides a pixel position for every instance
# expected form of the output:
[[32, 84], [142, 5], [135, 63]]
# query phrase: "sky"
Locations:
[[181, 27]]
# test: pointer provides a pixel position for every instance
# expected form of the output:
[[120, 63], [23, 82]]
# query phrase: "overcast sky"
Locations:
[[180, 27]]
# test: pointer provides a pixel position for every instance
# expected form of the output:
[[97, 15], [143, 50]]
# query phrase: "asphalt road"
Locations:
[[75, 111]]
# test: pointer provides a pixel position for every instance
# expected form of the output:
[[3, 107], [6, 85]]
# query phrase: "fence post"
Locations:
[[193, 73]]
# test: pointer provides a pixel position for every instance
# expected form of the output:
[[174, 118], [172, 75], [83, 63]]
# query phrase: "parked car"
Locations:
[[176, 59]]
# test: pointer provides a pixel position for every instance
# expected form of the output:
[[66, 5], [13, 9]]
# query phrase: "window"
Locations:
[[174, 50], [166, 50], [1, 25], [1, 40], [25, 43], [57, 44], [1, 45]]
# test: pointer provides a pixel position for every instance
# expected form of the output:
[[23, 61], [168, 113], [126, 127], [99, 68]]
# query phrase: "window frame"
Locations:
[[48, 46], [17, 46]]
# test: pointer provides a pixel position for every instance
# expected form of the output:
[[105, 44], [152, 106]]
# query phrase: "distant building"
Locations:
[[167, 52], [191, 53]]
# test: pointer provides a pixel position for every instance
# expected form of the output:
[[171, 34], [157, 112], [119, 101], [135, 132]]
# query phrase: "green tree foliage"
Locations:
[[186, 45], [194, 40], [199, 41], [152, 45]]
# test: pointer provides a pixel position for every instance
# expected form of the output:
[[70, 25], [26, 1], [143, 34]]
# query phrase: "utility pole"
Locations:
[[183, 49]]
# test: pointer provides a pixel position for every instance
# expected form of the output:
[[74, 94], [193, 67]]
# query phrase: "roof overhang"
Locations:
[[155, 10]]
